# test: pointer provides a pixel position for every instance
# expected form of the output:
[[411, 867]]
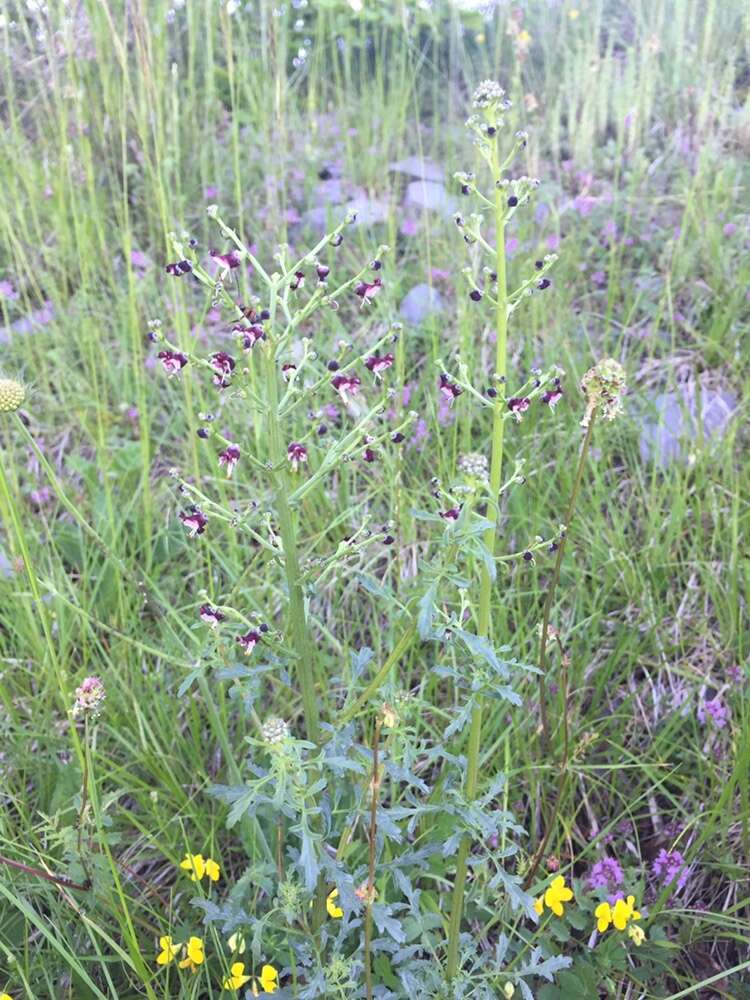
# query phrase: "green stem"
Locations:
[[297, 618], [485, 592]]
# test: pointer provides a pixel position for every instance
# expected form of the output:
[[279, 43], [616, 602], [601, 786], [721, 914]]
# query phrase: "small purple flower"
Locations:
[[230, 457], [451, 515], [90, 695], [449, 390], [297, 281], [668, 866], [223, 365], [730, 229], [296, 453], [287, 370], [369, 455], [552, 396], [716, 710], [346, 386], [228, 260], [518, 405], [8, 291], [322, 271], [378, 364], [179, 268], [194, 520], [734, 673], [606, 874], [173, 361], [367, 290], [212, 616], [250, 335], [249, 641]]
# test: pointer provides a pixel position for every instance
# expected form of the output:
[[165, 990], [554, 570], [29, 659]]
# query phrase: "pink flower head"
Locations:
[[223, 365], [179, 268], [715, 710], [248, 641], [229, 457], [518, 405], [449, 390], [212, 616], [194, 520], [367, 290], [229, 260], [378, 364], [606, 874], [296, 453], [90, 695], [346, 386], [668, 866]]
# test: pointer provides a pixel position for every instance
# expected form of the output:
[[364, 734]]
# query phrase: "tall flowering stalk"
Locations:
[[487, 124]]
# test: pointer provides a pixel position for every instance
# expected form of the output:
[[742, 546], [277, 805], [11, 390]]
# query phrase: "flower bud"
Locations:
[[12, 395]]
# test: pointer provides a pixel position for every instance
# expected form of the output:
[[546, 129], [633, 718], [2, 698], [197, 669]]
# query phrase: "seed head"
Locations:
[[12, 395], [604, 387]]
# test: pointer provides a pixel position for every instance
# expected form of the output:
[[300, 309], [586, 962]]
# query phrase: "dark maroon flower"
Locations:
[[552, 397], [212, 616], [451, 515], [287, 370], [248, 641], [337, 240], [230, 457], [223, 364], [398, 437], [449, 390], [475, 295], [296, 453], [323, 271], [250, 335], [179, 268], [298, 280], [518, 405], [543, 283], [229, 260], [173, 361], [369, 455], [203, 433], [367, 290], [512, 201], [378, 364], [194, 520], [346, 386]]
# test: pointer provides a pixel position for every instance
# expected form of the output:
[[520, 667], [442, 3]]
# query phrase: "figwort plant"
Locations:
[[359, 824]]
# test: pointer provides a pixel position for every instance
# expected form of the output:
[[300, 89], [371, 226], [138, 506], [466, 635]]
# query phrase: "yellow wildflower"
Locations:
[[194, 955], [268, 981], [236, 943], [618, 915], [539, 905], [603, 914], [237, 979], [168, 953], [636, 934], [333, 910], [5, 996], [557, 894], [198, 866], [574, 14]]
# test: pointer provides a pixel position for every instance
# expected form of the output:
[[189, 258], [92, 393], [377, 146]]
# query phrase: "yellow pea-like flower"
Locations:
[[194, 955], [237, 979], [268, 981], [168, 953], [212, 870], [557, 894], [334, 910], [196, 865]]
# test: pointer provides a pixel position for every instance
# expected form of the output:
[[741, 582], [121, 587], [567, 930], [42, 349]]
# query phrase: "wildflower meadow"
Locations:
[[374, 499]]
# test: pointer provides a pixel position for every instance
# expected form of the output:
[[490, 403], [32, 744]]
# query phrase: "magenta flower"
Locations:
[[346, 386], [369, 455], [173, 361], [323, 271], [229, 260], [223, 365], [553, 396], [518, 405], [90, 695], [249, 641], [179, 268], [212, 616], [296, 453], [194, 520], [367, 290], [378, 364], [451, 515], [229, 457], [449, 390], [8, 291]]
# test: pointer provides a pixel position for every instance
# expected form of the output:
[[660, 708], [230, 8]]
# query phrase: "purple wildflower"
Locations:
[[223, 365], [346, 386], [378, 364], [250, 335], [451, 515], [716, 710], [212, 616], [194, 520], [90, 695], [229, 260], [668, 866], [230, 457], [606, 874], [518, 405], [173, 361], [449, 390], [296, 453], [248, 641], [179, 268], [367, 290], [287, 370]]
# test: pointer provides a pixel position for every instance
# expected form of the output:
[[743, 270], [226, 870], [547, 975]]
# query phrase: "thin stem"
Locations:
[[543, 661], [549, 599], [372, 837], [485, 592]]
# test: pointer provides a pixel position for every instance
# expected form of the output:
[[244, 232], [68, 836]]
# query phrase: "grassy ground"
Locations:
[[121, 123]]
